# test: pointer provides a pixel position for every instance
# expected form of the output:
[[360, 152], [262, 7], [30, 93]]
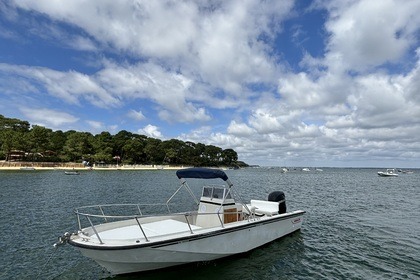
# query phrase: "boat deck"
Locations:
[[153, 229]]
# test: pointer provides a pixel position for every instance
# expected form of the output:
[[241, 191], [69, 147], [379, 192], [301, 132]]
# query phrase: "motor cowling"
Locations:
[[278, 196]]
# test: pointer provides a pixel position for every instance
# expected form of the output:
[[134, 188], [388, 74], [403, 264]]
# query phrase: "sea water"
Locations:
[[357, 225]]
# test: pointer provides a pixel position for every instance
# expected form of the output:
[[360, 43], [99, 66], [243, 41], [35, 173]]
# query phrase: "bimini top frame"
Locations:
[[199, 173]]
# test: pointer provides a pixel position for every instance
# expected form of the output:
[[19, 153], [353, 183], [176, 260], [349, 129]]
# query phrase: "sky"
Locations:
[[283, 83]]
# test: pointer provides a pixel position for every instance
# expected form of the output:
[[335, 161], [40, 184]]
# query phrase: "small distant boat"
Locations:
[[390, 172], [284, 170], [306, 169], [407, 172], [319, 169], [27, 168], [222, 225], [74, 172]]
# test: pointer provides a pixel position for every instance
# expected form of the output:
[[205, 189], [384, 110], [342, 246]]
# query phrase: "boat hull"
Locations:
[[201, 245], [384, 174], [390, 172]]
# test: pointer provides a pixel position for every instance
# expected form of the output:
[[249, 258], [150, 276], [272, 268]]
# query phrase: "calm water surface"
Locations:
[[357, 226]]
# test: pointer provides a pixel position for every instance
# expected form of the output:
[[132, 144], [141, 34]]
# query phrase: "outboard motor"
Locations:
[[278, 196]]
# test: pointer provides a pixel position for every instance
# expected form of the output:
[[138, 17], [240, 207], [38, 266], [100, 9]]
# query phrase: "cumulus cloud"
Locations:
[[367, 34], [379, 103], [265, 122], [193, 60], [167, 89], [197, 135], [217, 42], [151, 131], [212, 46], [112, 85], [239, 129]]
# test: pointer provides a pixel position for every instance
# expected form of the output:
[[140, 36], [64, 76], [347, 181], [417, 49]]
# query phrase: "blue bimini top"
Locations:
[[201, 173]]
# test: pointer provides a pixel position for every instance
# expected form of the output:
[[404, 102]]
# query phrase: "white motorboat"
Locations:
[[284, 170], [221, 226], [72, 172], [27, 168], [390, 172]]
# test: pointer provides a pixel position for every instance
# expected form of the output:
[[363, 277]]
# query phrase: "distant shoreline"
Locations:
[[88, 169], [27, 166]]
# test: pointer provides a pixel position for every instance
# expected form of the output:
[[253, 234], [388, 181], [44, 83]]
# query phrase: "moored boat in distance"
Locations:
[[222, 225], [27, 168], [72, 172], [390, 172]]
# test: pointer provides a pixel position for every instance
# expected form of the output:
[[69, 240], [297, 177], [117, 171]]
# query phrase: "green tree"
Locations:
[[39, 141], [199, 158], [57, 142], [11, 140], [119, 141], [13, 124], [153, 154], [213, 155], [133, 150], [103, 147], [230, 157], [78, 146], [12, 132], [173, 149], [16, 135]]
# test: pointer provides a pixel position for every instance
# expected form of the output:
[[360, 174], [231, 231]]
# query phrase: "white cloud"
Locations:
[[136, 115], [47, 117], [216, 42], [95, 125], [239, 129], [379, 103], [166, 89], [409, 84], [229, 52], [189, 58], [370, 33], [83, 44], [112, 86], [265, 122], [197, 135], [304, 131], [69, 86], [151, 131]]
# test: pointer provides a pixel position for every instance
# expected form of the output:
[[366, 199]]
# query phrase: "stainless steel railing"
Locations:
[[86, 212]]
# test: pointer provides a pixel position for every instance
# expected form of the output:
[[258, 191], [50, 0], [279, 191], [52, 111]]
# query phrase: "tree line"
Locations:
[[21, 141]]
